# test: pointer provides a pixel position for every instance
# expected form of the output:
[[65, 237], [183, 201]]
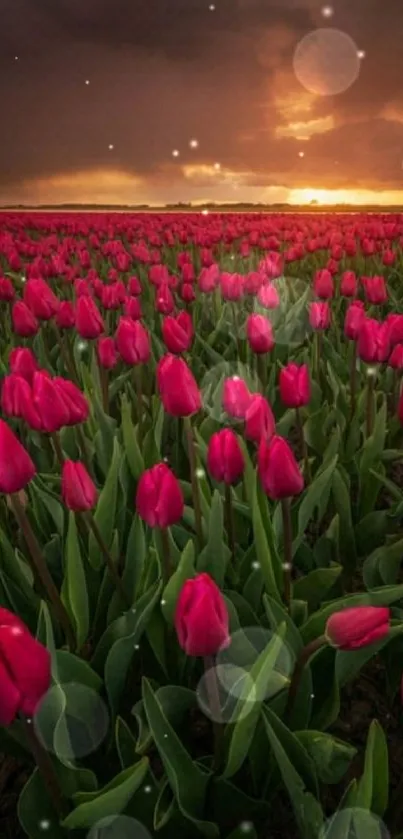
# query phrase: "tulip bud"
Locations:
[[134, 286], [23, 362], [187, 293], [232, 286], [268, 296], [25, 669], [16, 466], [106, 351], [201, 617], [89, 323], [295, 385], [278, 470], [259, 419], [396, 357], [177, 332], [75, 401], [260, 334], [236, 397], [15, 393], [7, 292], [133, 341], [225, 460], [49, 403], [79, 493], [25, 323], [132, 308], [375, 290], [159, 498], [355, 316], [319, 316], [323, 284], [357, 627], [348, 285], [164, 302], [370, 341], [65, 315], [177, 386]]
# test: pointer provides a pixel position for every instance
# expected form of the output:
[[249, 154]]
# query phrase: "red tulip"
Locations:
[[65, 315], [355, 316], [134, 286], [236, 397], [159, 498], [23, 362], [25, 669], [319, 316], [132, 308], [348, 285], [358, 626], [323, 284], [177, 386], [164, 302], [373, 341], [295, 385], [396, 357], [40, 299], [75, 401], [15, 395], [49, 403], [25, 323], [106, 351], [201, 617], [260, 334], [133, 341], [278, 470], [187, 293], [177, 332], [16, 466], [225, 460], [232, 286], [89, 323], [268, 296], [375, 290], [259, 419], [79, 493], [7, 291]]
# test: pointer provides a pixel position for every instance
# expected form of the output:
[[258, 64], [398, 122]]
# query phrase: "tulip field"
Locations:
[[201, 526]]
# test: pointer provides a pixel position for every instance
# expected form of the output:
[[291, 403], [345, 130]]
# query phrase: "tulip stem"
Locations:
[[138, 384], [353, 380], [262, 372], [42, 570], [304, 447], [229, 515], [104, 377], [92, 525], [83, 448], [194, 481], [302, 660], [214, 701], [370, 408], [57, 447], [45, 768], [166, 554], [287, 546], [66, 356]]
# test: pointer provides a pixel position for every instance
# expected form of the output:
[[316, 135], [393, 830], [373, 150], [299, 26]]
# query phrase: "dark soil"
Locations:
[[13, 777]]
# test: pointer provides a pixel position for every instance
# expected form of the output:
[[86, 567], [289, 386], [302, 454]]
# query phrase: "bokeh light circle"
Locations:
[[118, 827], [229, 690], [290, 319], [212, 389], [354, 823], [326, 62], [71, 721]]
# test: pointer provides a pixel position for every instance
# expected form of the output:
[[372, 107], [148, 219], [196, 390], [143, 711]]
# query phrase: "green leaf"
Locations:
[[263, 553], [111, 800], [136, 553], [332, 757], [342, 503], [184, 571], [373, 786], [130, 441], [105, 512], [307, 810], [315, 585], [125, 743], [259, 684], [187, 780], [313, 498], [386, 560], [74, 590], [128, 629], [214, 556], [164, 807]]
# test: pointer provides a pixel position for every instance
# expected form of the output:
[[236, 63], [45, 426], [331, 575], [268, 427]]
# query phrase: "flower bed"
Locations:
[[201, 499]]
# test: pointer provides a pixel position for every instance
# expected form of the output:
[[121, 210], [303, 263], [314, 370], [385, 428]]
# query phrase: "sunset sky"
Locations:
[[285, 100]]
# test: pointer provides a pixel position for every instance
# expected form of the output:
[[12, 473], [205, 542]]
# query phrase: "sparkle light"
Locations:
[[87, 81], [301, 154], [16, 58], [212, 7], [327, 11], [175, 153], [204, 212], [217, 166], [361, 54], [194, 144], [111, 147]]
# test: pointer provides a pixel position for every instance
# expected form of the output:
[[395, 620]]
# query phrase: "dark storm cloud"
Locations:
[[163, 71]]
